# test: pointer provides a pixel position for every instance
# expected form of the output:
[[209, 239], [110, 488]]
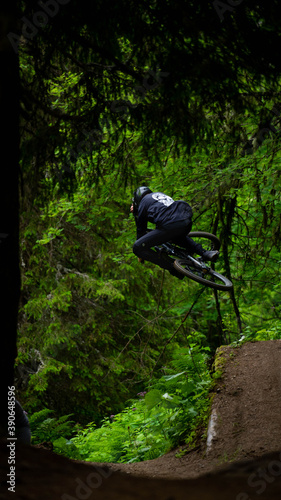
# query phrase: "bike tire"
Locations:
[[186, 268], [212, 237]]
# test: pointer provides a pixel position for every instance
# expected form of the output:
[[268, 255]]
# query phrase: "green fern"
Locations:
[[44, 428]]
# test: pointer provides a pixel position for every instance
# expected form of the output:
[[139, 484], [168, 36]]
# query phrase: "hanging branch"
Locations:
[[177, 330], [157, 314], [141, 328]]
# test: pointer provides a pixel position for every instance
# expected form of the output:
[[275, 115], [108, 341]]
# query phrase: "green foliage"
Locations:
[[92, 317], [53, 430], [95, 326], [161, 418], [44, 428], [271, 333]]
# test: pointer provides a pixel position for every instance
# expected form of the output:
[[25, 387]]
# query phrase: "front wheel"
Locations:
[[206, 276]]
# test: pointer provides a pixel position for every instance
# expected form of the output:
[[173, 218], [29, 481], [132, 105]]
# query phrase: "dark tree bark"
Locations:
[[9, 205]]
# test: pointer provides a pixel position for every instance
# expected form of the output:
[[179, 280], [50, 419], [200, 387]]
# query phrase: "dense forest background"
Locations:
[[181, 97]]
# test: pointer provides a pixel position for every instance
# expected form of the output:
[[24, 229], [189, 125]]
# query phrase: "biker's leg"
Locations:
[[182, 239], [193, 247], [178, 233], [143, 248]]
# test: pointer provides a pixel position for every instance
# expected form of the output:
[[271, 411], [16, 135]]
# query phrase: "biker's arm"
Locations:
[[141, 223]]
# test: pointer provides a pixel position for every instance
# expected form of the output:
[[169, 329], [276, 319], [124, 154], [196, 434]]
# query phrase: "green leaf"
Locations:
[[172, 377], [152, 398]]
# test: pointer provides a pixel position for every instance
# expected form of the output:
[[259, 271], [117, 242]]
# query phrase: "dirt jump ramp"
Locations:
[[246, 411]]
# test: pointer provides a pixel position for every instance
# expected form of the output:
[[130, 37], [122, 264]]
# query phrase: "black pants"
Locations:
[[177, 232]]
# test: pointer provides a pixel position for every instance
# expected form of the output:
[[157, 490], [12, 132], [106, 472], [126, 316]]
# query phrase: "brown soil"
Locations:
[[245, 419]]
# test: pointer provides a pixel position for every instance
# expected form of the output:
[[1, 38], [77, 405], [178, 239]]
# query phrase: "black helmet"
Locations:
[[139, 193]]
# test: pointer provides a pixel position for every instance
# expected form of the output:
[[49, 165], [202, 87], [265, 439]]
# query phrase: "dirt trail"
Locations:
[[246, 416]]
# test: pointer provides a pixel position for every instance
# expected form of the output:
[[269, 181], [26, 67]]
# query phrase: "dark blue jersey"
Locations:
[[161, 210]]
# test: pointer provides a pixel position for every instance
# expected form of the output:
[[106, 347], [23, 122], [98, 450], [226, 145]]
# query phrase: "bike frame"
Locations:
[[195, 268], [181, 253]]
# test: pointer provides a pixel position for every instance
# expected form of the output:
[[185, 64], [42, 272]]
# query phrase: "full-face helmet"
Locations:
[[139, 193]]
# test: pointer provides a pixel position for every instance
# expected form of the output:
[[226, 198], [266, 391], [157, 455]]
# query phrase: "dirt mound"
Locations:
[[245, 420], [42, 475]]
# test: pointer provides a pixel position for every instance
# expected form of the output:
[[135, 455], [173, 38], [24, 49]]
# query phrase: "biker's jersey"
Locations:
[[161, 210]]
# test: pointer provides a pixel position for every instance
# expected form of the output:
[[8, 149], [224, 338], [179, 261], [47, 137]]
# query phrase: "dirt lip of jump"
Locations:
[[245, 419], [240, 460]]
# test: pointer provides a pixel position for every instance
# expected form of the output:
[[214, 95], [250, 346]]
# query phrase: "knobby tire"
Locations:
[[209, 236], [180, 265], [185, 266]]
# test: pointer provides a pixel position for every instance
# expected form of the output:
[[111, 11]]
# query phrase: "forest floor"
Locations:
[[245, 419]]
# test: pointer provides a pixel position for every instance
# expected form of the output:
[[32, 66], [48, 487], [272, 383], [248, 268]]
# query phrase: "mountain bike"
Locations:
[[194, 267]]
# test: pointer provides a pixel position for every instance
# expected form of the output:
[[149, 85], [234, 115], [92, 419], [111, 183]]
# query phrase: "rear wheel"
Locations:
[[206, 276], [206, 239]]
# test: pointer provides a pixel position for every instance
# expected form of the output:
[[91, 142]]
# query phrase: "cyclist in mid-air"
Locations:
[[173, 220]]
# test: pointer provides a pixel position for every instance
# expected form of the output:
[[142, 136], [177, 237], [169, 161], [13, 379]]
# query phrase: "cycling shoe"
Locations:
[[211, 255]]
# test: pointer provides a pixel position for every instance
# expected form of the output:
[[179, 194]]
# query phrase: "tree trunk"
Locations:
[[9, 205], [226, 221]]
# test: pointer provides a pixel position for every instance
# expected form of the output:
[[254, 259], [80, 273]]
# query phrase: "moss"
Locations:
[[223, 355], [220, 359], [198, 432]]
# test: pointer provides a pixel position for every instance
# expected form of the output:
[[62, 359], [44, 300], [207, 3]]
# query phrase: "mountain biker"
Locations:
[[173, 220]]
